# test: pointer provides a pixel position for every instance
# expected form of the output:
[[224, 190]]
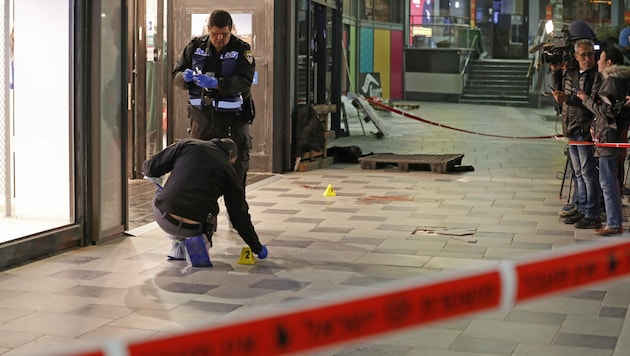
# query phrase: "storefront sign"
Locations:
[[370, 84]]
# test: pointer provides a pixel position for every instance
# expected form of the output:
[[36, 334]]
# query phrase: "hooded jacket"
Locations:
[[610, 123]]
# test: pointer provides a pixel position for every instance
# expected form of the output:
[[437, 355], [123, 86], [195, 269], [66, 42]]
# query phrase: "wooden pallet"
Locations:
[[314, 163], [438, 163], [406, 105]]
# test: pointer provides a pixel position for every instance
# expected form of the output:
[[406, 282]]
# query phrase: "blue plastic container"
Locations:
[[197, 251]]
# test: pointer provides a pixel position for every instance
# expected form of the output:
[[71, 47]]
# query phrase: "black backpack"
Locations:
[[347, 154], [309, 131]]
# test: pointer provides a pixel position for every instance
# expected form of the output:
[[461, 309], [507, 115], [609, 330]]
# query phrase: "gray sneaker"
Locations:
[[567, 213]]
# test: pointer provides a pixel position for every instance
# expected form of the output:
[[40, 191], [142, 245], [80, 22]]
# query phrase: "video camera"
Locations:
[[558, 47], [558, 51]]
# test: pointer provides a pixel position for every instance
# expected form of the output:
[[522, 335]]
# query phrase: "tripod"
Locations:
[[564, 177]]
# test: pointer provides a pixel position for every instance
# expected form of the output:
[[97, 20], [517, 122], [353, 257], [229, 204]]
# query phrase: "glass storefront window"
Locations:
[[382, 10], [36, 131], [437, 24]]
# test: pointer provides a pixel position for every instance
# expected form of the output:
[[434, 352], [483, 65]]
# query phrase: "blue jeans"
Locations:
[[586, 176], [611, 190]]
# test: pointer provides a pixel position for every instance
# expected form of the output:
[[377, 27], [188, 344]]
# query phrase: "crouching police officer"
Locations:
[[200, 173]]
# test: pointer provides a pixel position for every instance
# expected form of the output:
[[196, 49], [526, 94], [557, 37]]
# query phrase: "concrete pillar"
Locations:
[[617, 9], [534, 19]]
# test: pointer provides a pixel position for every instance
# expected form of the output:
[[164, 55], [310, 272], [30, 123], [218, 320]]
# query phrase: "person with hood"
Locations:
[[624, 43], [609, 125], [624, 39]]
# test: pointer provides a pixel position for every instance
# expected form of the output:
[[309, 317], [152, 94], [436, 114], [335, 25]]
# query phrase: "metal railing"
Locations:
[[465, 66]]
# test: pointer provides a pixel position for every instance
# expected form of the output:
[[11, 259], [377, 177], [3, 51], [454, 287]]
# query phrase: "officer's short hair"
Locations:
[[229, 144], [220, 19]]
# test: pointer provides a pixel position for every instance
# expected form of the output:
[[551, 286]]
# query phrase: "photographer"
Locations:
[[610, 125], [576, 123]]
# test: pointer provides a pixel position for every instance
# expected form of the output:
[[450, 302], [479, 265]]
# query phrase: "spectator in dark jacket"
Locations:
[[576, 124]]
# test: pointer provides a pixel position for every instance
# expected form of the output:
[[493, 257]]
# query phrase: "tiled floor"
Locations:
[[383, 228]]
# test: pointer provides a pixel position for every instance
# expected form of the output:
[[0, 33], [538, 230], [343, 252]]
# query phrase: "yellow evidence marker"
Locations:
[[247, 257]]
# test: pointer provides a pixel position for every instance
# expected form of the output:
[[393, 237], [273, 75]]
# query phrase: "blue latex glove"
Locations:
[[188, 75], [205, 81], [263, 253]]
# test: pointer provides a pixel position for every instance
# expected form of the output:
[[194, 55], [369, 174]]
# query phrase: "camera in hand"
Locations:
[[559, 46], [557, 52]]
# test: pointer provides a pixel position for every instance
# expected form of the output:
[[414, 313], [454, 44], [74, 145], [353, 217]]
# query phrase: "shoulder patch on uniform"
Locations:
[[249, 55]]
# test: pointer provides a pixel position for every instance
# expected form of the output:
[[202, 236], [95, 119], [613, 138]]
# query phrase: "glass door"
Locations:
[[253, 22], [156, 77], [109, 211], [147, 82]]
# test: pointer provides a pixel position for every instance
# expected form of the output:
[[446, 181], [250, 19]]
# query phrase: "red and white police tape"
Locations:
[[600, 144], [420, 303], [378, 103]]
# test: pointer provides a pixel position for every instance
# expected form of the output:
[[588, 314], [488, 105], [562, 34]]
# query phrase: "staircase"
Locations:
[[497, 82]]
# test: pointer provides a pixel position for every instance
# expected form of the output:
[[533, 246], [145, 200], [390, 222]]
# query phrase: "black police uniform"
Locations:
[[229, 110]]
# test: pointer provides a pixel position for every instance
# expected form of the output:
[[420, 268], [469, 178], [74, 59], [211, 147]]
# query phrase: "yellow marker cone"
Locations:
[[247, 257], [330, 192]]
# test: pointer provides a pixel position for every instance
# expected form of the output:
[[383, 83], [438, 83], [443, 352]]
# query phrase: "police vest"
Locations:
[[202, 59]]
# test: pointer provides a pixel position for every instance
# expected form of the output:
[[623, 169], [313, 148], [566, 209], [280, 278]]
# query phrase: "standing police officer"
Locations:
[[217, 69]]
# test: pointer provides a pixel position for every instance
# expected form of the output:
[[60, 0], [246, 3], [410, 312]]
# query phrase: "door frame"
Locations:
[[263, 148]]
